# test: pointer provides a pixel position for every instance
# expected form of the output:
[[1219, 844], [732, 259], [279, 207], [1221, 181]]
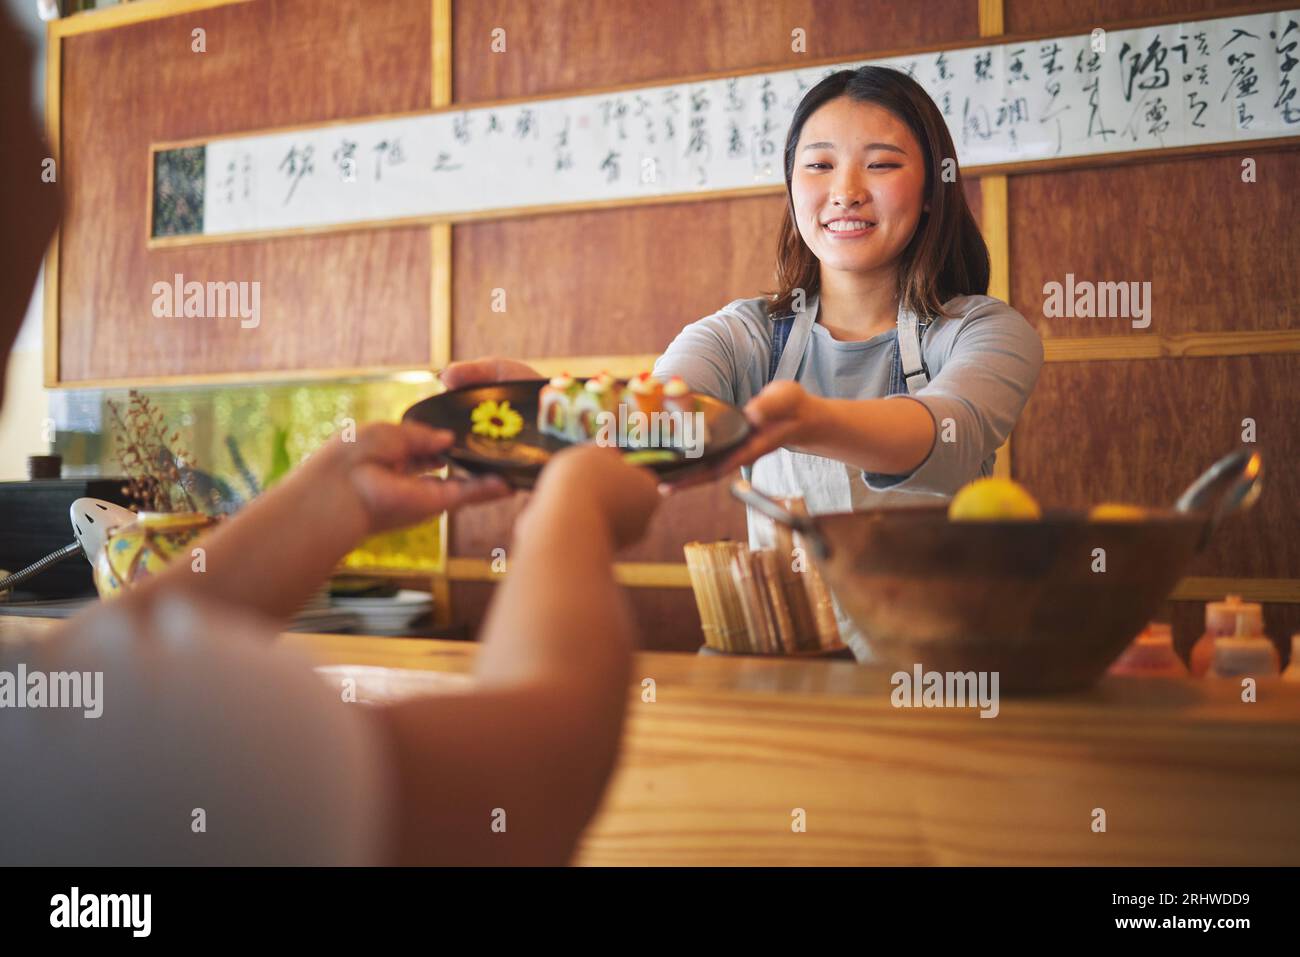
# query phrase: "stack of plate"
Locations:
[[388, 615]]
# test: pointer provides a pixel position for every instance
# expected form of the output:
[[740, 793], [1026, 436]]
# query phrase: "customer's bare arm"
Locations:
[[533, 748], [282, 547]]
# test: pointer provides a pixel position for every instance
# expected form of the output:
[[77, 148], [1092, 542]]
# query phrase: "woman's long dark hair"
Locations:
[[946, 257]]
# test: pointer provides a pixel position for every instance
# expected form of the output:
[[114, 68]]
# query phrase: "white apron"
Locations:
[[829, 485]]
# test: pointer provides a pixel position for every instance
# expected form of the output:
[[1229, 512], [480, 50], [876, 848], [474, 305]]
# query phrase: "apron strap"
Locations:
[[915, 372], [789, 336], [797, 342]]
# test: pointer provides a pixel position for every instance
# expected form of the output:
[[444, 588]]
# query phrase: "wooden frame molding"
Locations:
[[1179, 346], [1056, 348], [675, 575], [996, 225], [440, 294], [1264, 590], [633, 574]]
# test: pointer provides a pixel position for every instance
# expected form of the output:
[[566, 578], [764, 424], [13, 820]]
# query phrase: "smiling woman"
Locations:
[[898, 178], [882, 280]]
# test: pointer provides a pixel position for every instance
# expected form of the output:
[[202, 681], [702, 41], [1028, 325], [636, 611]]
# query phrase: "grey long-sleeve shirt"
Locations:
[[983, 364]]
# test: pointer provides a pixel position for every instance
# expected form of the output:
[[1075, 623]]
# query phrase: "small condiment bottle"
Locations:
[[1292, 672], [1246, 653], [1151, 655], [1232, 616]]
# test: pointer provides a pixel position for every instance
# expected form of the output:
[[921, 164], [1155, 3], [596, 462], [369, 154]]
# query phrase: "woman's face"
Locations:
[[859, 165]]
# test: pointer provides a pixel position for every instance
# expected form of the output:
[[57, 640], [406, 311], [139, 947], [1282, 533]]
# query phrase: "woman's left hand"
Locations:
[[781, 414]]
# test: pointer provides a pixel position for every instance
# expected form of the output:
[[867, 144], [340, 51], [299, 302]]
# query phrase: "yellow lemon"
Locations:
[[1116, 512], [992, 499]]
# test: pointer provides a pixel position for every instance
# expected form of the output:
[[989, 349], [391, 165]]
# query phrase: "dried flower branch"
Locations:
[[153, 470]]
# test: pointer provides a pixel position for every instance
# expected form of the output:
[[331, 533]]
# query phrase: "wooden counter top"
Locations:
[[713, 770], [716, 768]]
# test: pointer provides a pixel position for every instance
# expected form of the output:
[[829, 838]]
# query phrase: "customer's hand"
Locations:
[[381, 473], [486, 371], [591, 477]]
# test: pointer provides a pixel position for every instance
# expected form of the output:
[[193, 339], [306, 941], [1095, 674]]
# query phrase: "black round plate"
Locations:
[[520, 460]]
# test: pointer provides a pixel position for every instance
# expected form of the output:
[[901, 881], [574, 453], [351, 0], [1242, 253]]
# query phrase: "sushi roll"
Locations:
[[597, 396], [644, 394], [555, 412], [680, 402], [678, 396]]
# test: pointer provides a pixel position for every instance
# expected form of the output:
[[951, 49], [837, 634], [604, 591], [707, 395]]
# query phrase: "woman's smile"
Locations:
[[845, 229]]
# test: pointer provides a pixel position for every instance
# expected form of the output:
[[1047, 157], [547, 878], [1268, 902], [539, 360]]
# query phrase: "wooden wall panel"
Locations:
[[611, 282], [1141, 431], [339, 301], [555, 46], [608, 282], [1208, 243], [1082, 16]]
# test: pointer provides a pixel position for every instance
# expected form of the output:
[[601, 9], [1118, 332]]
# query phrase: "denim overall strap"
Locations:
[[897, 379], [781, 326], [790, 333]]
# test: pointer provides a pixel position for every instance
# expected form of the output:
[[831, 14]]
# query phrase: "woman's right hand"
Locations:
[[587, 477], [486, 371]]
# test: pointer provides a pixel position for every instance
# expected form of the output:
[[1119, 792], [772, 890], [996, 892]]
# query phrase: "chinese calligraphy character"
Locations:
[[524, 124], [735, 142], [941, 72], [443, 163], [460, 128], [1139, 62], [734, 101], [563, 156], [390, 152], [299, 165], [1016, 68], [345, 157], [228, 184], [1286, 63], [610, 166], [616, 111]]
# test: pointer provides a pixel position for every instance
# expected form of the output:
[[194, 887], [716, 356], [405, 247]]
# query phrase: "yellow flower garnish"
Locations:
[[496, 420]]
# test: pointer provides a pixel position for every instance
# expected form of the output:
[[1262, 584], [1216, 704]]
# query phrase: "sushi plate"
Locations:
[[520, 459]]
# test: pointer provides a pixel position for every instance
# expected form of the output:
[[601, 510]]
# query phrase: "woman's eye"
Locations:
[[884, 166], [817, 165]]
